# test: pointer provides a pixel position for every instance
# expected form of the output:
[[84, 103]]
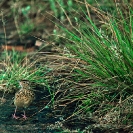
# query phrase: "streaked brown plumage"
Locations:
[[23, 98]]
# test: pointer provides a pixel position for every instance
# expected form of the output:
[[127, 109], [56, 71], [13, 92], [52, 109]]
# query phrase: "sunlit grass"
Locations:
[[17, 66], [109, 54]]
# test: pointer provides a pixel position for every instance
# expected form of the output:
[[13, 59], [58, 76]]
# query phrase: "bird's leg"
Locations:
[[24, 116], [14, 115]]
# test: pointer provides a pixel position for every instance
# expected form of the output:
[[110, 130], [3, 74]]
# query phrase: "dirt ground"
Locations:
[[37, 122], [40, 119]]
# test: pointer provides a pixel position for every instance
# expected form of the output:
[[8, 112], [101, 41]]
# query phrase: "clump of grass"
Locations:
[[17, 66], [108, 73]]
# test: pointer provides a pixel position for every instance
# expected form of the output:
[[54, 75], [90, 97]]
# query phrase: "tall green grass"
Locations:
[[109, 55]]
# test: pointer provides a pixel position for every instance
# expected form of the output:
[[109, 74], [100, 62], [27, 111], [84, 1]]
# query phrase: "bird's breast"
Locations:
[[24, 98]]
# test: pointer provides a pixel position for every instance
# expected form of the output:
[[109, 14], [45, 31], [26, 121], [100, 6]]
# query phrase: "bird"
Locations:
[[23, 98]]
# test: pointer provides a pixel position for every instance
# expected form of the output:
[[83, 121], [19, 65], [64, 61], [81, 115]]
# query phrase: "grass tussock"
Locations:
[[103, 83], [18, 66]]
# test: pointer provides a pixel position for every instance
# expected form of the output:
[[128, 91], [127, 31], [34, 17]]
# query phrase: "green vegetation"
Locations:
[[93, 72], [108, 52], [17, 66]]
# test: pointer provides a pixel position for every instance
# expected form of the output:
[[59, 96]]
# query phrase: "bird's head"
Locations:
[[24, 84]]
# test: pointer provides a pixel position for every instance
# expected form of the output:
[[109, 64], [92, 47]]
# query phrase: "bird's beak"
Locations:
[[20, 84]]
